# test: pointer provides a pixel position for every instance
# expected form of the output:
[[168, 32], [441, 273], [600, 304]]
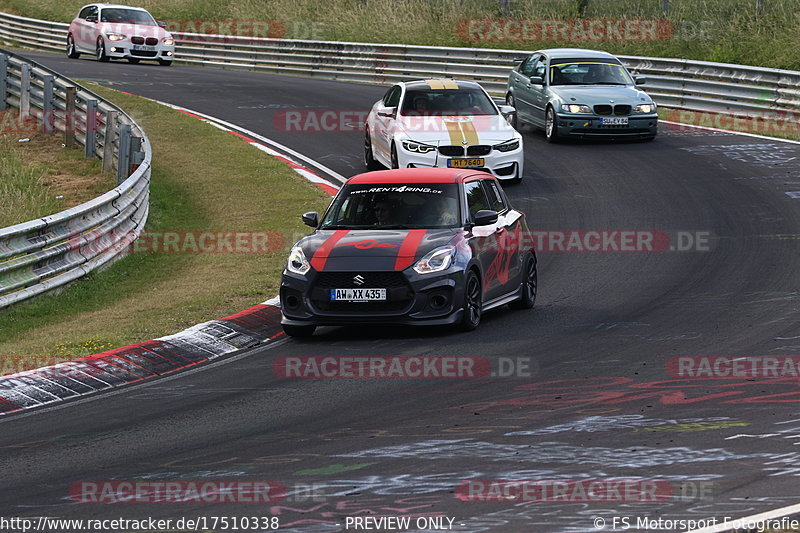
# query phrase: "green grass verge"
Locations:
[[714, 30], [40, 177], [203, 179]]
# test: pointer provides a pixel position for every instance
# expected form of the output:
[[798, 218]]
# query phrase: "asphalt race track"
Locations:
[[600, 402]]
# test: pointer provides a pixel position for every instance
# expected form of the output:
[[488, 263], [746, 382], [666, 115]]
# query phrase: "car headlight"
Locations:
[[115, 36], [508, 146], [436, 260], [575, 108], [297, 262], [169, 41], [645, 108], [419, 148]]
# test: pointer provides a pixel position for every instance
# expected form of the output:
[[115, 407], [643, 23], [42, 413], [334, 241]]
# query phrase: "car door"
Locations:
[[86, 38], [505, 266], [483, 239], [517, 82], [385, 118], [537, 92]]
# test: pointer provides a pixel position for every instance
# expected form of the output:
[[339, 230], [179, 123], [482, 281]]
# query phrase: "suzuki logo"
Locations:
[[359, 279]]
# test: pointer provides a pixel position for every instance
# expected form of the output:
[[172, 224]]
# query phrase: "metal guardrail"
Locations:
[[47, 253], [673, 83]]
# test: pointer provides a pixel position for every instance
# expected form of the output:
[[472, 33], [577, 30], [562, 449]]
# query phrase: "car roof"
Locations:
[[558, 53], [417, 175], [440, 83], [117, 6]]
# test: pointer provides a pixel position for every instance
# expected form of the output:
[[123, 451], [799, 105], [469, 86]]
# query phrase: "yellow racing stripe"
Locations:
[[456, 135], [470, 134]]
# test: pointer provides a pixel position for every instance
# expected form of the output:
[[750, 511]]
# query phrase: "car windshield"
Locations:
[[129, 16], [588, 72], [394, 206], [463, 101]]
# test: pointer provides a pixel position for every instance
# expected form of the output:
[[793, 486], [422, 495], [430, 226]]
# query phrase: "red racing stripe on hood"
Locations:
[[321, 255], [408, 250]]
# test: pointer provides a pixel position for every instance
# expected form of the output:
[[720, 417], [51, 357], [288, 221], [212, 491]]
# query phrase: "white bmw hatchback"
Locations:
[[443, 123], [112, 31]]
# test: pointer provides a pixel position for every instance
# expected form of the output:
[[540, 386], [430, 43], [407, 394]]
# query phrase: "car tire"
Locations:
[[165, 62], [72, 52], [101, 51], [369, 158], [133, 60], [473, 302], [551, 125], [395, 161], [298, 332], [528, 285], [516, 123]]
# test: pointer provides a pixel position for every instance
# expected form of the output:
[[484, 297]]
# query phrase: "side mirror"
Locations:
[[311, 219], [537, 80], [508, 112], [389, 112], [161, 24], [91, 18], [485, 217], [640, 80]]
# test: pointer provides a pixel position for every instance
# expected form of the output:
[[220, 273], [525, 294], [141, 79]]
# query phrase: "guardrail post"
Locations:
[[759, 7], [136, 156], [123, 153], [25, 92], [108, 141], [47, 104], [583, 5], [70, 93], [3, 83], [91, 128], [665, 7]]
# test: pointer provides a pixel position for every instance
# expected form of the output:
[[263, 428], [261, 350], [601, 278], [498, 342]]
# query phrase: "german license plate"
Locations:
[[614, 121], [465, 162], [358, 295], [144, 48]]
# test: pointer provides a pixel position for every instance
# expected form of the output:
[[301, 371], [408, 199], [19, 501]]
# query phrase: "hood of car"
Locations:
[[458, 130], [372, 249], [600, 94], [129, 30]]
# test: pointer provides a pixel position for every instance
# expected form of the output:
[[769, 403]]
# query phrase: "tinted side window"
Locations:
[[526, 68], [496, 200], [84, 12], [476, 198], [539, 67], [392, 97]]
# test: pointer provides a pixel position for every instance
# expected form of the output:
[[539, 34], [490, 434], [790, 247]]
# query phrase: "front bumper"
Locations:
[[412, 299], [124, 50], [639, 126], [502, 165]]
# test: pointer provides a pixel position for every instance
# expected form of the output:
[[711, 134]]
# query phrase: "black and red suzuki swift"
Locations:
[[427, 246]]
